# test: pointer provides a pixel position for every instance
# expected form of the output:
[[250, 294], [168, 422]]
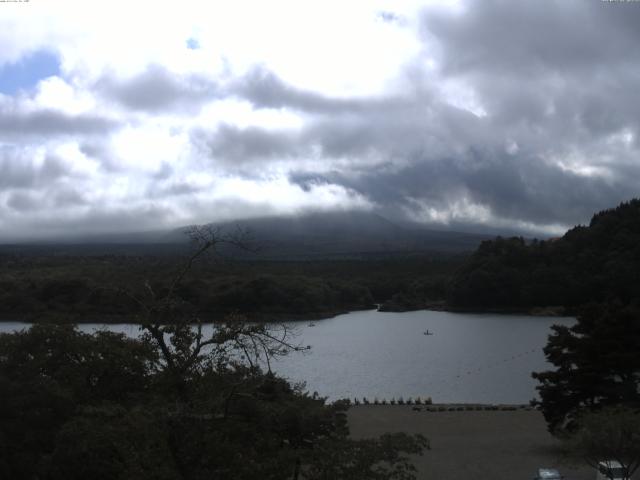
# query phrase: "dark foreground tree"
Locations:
[[597, 365], [77, 406], [611, 434], [48, 375], [183, 401]]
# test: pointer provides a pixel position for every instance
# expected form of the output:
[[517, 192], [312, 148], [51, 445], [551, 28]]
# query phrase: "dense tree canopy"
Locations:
[[597, 365], [89, 288], [600, 262], [77, 406]]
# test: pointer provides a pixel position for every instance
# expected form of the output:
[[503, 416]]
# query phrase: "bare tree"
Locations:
[[174, 326]]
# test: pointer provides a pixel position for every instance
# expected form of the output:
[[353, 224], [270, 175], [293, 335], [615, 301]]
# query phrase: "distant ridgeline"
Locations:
[[306, 266], [597, 263]]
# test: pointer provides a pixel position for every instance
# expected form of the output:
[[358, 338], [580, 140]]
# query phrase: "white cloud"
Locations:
[[57, 94], [145, 147], [358, 99]]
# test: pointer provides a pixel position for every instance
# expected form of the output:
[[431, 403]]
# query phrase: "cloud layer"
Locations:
[[468, 114]]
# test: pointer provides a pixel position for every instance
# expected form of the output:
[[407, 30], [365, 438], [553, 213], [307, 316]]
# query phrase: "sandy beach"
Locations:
[[472, 445]]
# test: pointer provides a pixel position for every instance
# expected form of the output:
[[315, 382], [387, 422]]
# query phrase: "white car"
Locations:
[[548, 474], [610, 470]]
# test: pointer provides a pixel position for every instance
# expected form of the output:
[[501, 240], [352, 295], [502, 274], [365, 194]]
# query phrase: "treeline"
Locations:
[[595, 263], [105, 288]]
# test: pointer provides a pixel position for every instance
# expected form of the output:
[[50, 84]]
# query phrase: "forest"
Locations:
[[599, 262], [80, 288], [594, 263]]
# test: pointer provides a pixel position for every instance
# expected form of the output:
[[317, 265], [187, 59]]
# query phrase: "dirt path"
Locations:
[[471, 445]]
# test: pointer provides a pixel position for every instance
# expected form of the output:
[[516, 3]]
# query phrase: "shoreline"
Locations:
[[114, 319], [545, 311]]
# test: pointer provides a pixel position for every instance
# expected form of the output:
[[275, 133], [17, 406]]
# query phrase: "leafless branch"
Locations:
[[177, 331]]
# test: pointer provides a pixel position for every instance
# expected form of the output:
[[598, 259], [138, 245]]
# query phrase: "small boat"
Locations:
[[427, 333], [312, 324]]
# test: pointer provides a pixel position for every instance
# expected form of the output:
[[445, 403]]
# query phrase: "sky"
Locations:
[[463, 114]]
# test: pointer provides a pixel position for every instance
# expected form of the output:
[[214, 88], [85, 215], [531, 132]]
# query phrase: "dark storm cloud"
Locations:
[[238, 146], [571, 63], [23, 202], [516, 189], [54, 196], [19, 170], [379, 129], [100, 150], [438, 156], [157, 89], [172, 188], [68, 197], [164, 172], [522, 37], [14, 123], [93, 149], [560, 77], [530, 189], [94, 220], [556, 82], [264, 89], [118, 219]]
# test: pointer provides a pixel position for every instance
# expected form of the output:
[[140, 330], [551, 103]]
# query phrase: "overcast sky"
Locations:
[[121, 116]]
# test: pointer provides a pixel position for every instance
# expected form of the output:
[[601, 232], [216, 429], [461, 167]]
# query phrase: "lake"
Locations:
[[484, 358]]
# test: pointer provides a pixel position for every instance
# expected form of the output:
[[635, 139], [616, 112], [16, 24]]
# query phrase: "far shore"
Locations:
[[131, 318], [540, 311], [75, 318]]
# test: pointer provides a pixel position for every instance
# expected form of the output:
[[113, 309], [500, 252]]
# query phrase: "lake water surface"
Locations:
[[484, 358]]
